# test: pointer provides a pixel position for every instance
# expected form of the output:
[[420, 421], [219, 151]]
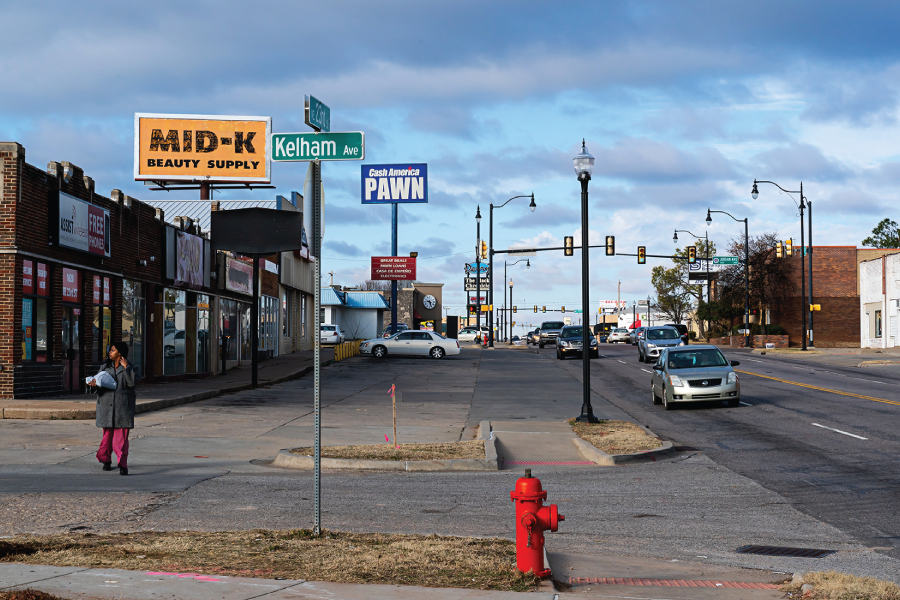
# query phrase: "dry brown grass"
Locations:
[[468, 449], [430, 561], [797, 351], [615, 437], [28, 594], [831, 585]]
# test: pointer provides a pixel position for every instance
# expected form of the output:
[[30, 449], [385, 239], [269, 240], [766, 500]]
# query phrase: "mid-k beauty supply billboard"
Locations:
[[81, 226], [390, 184], [202, 148]]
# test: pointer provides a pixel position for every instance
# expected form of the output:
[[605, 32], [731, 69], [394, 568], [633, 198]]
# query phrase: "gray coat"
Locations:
[[115, 408]]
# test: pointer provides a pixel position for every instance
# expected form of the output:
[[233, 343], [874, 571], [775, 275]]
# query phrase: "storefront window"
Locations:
[[287, 323], [245, 331], [133, 323], [268, 324], [303, 316], [102, 318], [35, 332], [203, 357], [174, 332], [229, 327], [878, 323]]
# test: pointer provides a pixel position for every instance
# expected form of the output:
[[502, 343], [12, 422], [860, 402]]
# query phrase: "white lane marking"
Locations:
[[859, 437], [745, 403], [754, 360], [623, 362], [646, 371]]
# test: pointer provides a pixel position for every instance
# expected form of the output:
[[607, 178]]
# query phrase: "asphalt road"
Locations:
[[783, 435], [205, 466]]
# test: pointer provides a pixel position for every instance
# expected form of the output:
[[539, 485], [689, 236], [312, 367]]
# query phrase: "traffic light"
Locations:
[[484, 252], [569, 246], [779, 250], [642, 255], [515, 309], [692, 254], [564, 309], [814, 307], [535, 308], [513, 323], [610, 245], [545, 309], [789, 247]]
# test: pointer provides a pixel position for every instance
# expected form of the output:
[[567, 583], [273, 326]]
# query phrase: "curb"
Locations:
[[286, 460], [599, 457], [88, 414]]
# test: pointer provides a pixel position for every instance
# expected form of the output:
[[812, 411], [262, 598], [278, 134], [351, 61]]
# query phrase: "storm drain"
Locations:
[[783, 551]]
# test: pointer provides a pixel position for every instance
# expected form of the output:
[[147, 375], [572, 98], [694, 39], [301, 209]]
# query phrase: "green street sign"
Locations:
[[347, 145], [725, 260], [316, 114], [578, 310]]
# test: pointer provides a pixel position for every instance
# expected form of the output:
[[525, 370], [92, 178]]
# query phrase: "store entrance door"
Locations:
[[71, 346]]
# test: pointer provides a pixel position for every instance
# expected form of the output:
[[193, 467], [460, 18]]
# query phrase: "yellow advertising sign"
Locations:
[[202, 148]]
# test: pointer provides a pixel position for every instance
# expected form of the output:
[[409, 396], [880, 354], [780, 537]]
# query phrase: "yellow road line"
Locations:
[[821, 389]]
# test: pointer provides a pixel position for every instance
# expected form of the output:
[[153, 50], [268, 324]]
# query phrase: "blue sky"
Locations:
[[682, 103]]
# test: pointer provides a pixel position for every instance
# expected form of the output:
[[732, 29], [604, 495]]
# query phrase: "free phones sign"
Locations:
[[395, 184]]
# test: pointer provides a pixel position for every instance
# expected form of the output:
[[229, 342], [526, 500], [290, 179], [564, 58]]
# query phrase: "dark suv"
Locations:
[[682, 331], [570, 342], [549, 332]]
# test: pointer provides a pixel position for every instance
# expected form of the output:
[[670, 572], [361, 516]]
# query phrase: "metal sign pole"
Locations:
[[317, 332], [394, 282]]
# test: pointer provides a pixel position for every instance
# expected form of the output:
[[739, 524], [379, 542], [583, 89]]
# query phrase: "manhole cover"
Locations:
[[783, 551]]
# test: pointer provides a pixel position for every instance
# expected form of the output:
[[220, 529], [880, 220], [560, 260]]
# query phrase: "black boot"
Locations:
[[123, 471], [107, 466]]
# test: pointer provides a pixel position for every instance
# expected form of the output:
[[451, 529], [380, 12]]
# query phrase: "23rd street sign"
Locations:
[[346, 145]]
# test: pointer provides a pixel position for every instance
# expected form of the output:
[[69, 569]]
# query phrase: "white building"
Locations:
[[879, 299], [359, 314]]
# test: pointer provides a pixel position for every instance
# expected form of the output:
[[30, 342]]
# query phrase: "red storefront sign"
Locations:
[[71, 290], [393, 268], [43, 288], [107, 291], [27, 277]]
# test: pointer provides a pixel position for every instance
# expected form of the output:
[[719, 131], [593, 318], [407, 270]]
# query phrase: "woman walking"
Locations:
[[115, 408]]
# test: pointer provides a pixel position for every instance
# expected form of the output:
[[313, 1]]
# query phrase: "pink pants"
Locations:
[[115, 440]]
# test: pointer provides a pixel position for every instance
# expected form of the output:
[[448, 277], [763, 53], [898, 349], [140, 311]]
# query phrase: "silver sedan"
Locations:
[[411, 343], [698, 373]]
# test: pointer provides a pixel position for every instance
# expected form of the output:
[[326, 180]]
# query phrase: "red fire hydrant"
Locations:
[[532, 520]]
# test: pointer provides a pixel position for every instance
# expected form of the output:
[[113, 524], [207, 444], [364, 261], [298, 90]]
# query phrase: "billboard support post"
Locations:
[[394, 281], [254, 325]]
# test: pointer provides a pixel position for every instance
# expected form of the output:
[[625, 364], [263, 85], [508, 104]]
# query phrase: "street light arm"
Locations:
[[511, 199], [725, 213], [699, 237], [778, 186]]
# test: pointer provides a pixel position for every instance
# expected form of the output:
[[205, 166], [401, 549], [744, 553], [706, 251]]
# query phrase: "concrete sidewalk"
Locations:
[[157, 396], [633, 578]]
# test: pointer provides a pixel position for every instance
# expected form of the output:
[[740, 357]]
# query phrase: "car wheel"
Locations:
[[437, 352], [379, 351], [656, 399], [640, 357], [560, 355], [665, 400]]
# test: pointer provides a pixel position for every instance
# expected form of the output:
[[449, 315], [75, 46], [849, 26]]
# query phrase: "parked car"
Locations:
[[634, 334], [654, 340], [570, 342], [618, 335], [534, 337], [549, 332], [411, 343], [516, 341], [683, 330], [470, 333], [331, 334], [697, 374], [400, 327]]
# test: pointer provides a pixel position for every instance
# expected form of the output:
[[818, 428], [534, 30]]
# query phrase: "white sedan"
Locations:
[[411, 343]]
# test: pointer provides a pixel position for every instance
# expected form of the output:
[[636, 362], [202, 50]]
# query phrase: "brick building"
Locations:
[[81, 271], [835, 287]]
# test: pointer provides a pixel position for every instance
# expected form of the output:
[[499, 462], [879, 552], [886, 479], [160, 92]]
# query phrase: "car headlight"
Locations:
[[732, 378], [564, 344], [593, 341], [676, 381], [681, 343], [649, 345]]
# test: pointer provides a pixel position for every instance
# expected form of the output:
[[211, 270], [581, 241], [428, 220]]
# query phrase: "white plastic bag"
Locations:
[[103, 379]]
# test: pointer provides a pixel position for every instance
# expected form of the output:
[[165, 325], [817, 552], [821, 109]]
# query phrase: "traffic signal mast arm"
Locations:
[[522, 250]]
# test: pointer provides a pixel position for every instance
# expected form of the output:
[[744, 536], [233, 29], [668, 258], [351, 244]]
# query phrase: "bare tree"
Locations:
[[370, 285]]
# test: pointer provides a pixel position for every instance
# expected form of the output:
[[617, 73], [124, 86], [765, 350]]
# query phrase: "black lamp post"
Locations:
[[803, 203], [708, 286], [478, 269], [584, 166], [527, 266], [746, 270], [532, 206]]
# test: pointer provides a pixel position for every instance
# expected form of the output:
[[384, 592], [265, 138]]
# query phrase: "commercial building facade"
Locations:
[[84, 270], [879, 301]]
